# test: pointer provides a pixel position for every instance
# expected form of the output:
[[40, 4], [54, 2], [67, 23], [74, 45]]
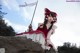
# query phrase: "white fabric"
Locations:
[[40, 39], [36, 38], [52, 31]]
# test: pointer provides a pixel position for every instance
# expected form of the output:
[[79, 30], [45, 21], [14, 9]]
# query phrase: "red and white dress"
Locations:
[[40, 35], [47, 34]]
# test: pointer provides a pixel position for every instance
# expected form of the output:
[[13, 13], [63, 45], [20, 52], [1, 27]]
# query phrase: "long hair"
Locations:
[[45, 22], [49, 13]]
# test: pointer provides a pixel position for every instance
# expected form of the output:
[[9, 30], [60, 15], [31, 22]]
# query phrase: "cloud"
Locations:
[[62, 35], [25, 14], [68, 29], [17, 27], [11, 4]]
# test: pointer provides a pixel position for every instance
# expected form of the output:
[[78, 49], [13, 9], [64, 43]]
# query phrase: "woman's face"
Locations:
[[50, 19]]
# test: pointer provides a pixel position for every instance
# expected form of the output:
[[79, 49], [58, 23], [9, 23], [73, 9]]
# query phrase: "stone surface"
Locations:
[[21, 45]]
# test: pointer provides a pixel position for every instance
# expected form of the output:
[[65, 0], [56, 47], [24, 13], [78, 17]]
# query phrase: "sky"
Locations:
[[68, 23]]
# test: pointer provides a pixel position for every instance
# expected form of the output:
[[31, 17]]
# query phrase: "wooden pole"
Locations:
[[34, 13]]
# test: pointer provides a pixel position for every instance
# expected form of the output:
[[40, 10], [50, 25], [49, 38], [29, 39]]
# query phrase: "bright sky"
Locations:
[[68, 24]]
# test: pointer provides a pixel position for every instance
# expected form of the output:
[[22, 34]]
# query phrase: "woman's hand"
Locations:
[[30, 28]]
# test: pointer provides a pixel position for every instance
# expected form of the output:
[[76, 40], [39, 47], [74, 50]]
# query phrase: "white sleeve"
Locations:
[[52, 31], [54, 27]]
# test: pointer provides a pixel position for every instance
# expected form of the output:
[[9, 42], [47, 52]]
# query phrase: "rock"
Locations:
[[14, 44], [17, 44]]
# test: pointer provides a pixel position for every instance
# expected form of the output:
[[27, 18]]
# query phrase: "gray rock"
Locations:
[[14, 44]]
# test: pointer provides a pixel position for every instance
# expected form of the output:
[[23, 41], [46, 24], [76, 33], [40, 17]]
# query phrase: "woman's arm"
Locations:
[[40, 25]]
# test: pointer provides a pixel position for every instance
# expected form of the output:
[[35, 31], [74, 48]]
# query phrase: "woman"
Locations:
[[44, 30], [48, 26]]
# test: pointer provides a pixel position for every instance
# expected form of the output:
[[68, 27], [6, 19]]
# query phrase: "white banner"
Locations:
[[31, 4]]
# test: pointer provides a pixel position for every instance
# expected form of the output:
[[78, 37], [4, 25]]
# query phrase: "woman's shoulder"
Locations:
[[40, 25]]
